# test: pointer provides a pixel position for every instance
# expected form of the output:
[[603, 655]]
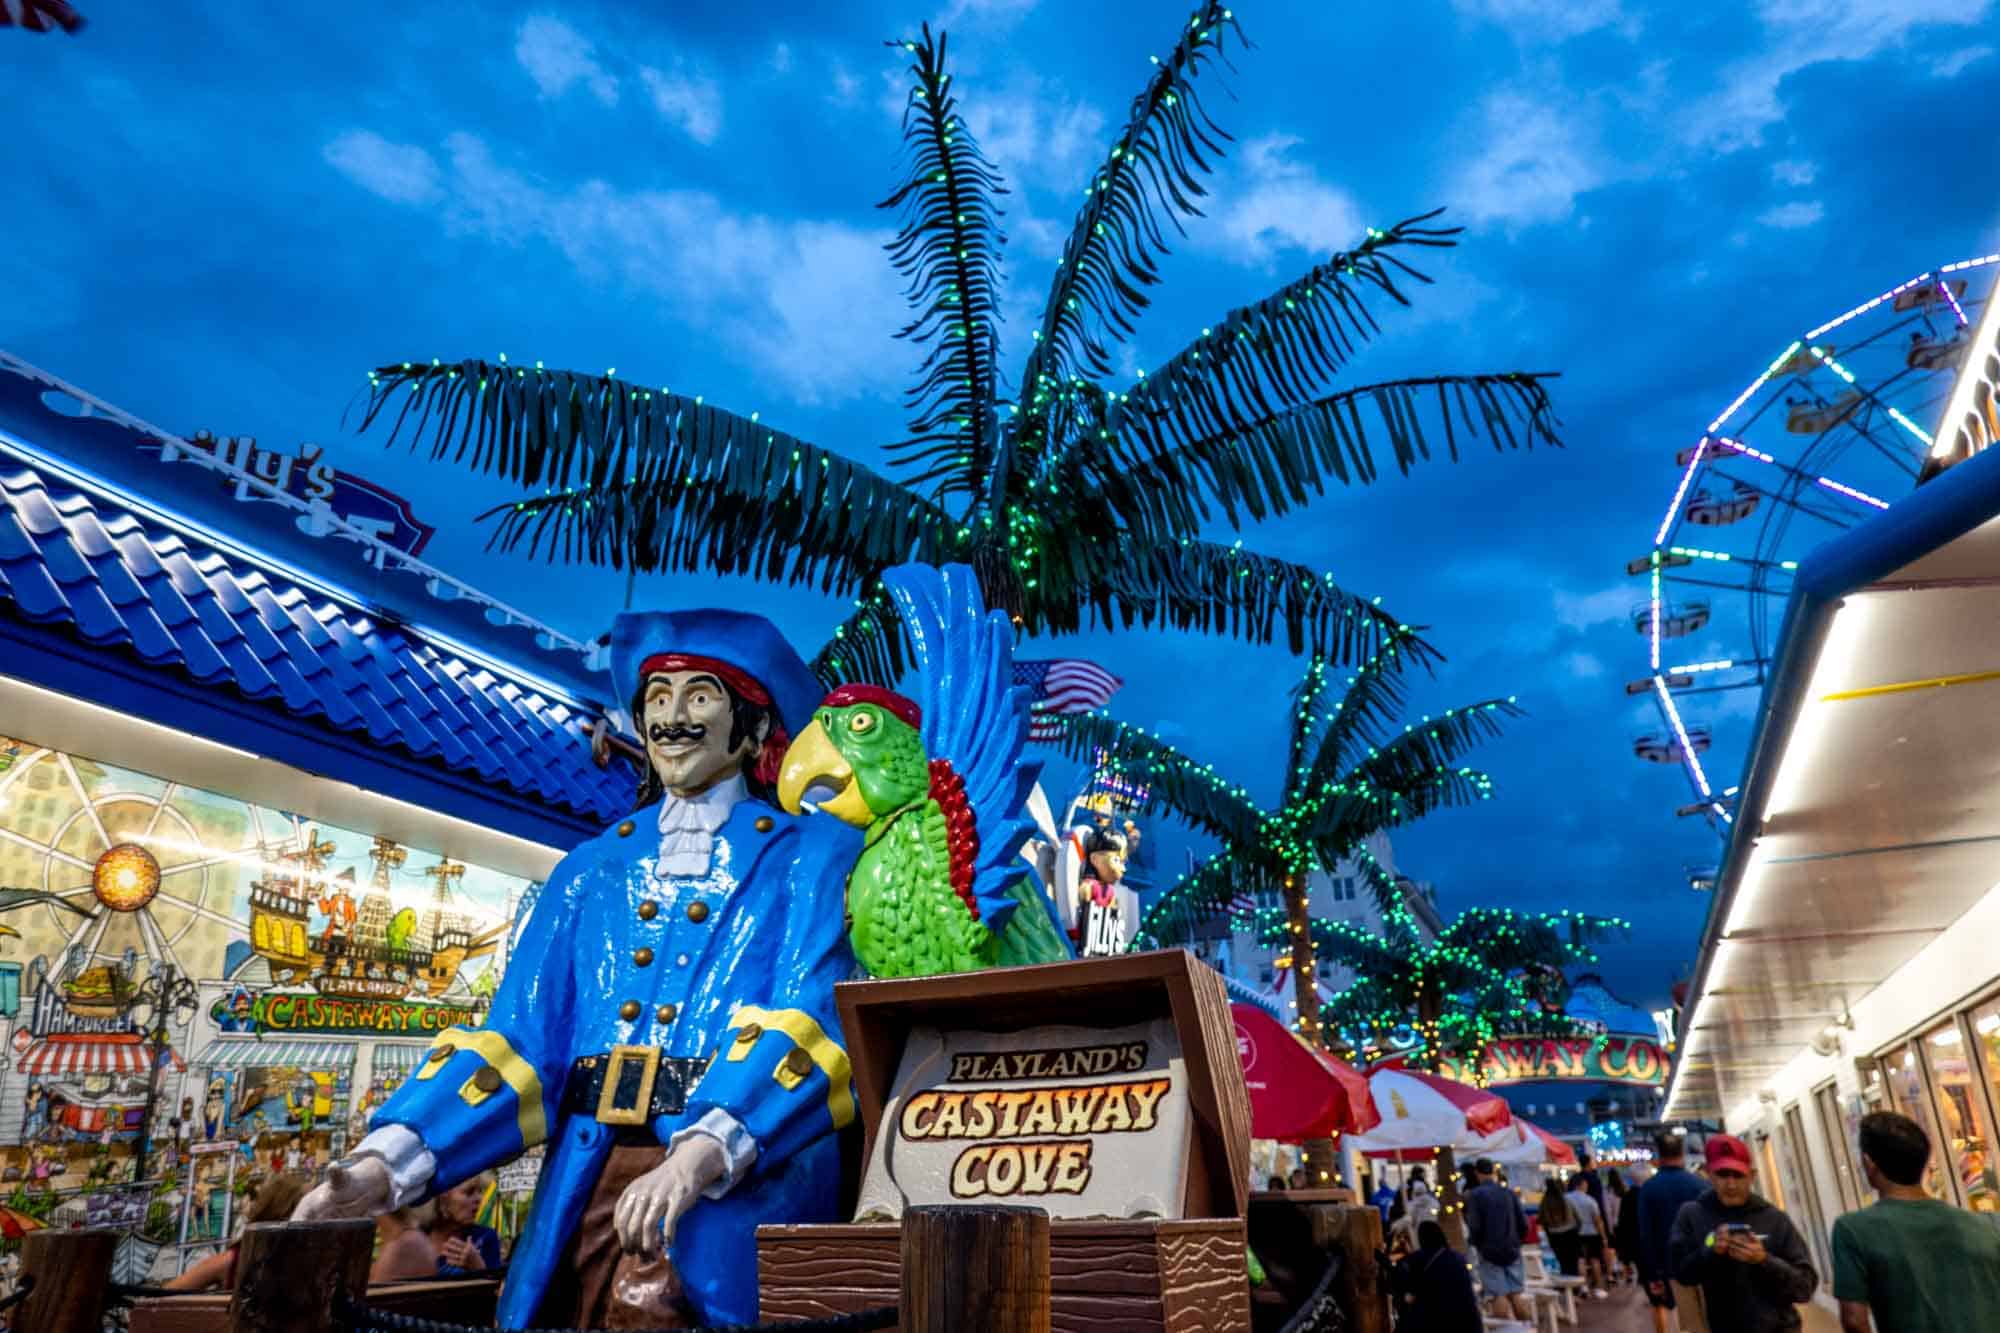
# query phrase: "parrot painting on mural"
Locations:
[[937, 784]]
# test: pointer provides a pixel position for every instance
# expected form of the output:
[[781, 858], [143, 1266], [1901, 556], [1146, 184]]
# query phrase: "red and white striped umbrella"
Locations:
[[1532, 1146], [1425, 1111]]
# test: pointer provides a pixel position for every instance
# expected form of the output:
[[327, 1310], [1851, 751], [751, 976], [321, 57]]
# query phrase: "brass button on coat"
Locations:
[[665, 1013], [442, 1053], [643, 957], [629, 1010], [749, 1032], [765, 823], [697, 911], [625, 829], [487, 1079], [648, 910], [799, 1062]]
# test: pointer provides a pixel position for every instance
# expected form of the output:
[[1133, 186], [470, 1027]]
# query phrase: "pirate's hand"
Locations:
[[360, 1188], [652, 1205]]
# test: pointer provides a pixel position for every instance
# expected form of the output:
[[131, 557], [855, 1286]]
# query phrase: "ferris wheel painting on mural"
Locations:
[[1835, 429]]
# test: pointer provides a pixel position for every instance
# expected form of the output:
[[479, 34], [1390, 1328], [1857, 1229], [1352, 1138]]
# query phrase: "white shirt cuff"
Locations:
[[738, 1147], [410, 1163]]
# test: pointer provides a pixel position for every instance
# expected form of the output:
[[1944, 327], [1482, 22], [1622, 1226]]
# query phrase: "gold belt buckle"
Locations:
[[613, 1109]]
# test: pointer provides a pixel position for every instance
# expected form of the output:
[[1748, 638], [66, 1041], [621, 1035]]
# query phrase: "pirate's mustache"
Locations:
[[669, 733]]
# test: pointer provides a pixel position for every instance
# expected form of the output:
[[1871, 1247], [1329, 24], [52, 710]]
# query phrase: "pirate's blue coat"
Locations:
[[739, 964]]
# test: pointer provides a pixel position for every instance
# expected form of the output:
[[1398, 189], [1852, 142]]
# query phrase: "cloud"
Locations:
[[1532, 163], [1584, 666], [400, 173], [1793, 173], [691, 101], [1951, 66], [811, 303], [1278, 204], [1544, 21], [845, 86], [1798, 36], [999, 12], [1037, 134], [1603, 607], [557, 57], [781, 58], [1791, 216]]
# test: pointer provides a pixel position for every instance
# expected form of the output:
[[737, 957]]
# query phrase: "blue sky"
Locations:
[[221, 220]]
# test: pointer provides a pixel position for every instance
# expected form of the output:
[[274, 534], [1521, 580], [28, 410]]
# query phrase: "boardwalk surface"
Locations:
[[1625, 1312]]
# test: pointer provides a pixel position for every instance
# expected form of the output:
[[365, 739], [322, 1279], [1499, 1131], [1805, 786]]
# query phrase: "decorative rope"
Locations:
[[360, 1318]]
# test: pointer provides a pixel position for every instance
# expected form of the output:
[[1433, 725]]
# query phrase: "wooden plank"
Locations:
[[290, 1274], [72, 1273], [975, 1270]]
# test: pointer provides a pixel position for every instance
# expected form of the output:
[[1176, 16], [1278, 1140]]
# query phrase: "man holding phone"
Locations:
[[1741, 1250]]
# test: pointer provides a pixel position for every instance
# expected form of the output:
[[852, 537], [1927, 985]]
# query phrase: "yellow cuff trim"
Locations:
[[495, 1050], [810, 1037]]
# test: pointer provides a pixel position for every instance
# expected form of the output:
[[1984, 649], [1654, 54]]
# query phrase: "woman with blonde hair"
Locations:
[[273, 1203], [465, 1247]]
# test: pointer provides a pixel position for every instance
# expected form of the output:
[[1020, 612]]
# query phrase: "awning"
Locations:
[[1870, 810], [248, 1053], [79, 1054], [397, 1057], [1425, 1111]]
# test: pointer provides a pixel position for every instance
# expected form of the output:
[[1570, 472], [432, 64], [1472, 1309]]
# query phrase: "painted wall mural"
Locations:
[[196, 991]]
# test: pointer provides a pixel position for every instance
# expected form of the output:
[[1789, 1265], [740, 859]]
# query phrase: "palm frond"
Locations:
[[1433, 746], [870, 645], [1191, 790], [655, 479], [1200, 896], [947, 249], [1210, 449], [1113, 250], [1217, 589], [1370, 701], [1336, 821], [1509, 940]]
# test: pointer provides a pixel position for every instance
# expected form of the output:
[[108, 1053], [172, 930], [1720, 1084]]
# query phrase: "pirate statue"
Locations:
[[1103, 904], [666, 1022]]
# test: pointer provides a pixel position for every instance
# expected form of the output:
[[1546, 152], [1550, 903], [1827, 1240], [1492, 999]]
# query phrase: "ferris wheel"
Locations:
[[1835, 429]]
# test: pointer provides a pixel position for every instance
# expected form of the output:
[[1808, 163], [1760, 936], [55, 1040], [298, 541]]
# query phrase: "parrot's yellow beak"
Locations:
[[814, 771]]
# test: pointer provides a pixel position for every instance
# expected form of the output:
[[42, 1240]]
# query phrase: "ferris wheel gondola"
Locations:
[[1833, 430]]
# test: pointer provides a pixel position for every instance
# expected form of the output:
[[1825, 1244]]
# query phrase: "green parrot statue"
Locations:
[[937, 789]]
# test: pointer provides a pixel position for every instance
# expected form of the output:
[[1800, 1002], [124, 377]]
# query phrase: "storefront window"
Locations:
[[309, 966], [1833, 1126], [1772, 1184], [1803, 1190], [1906, 1092], [1961, 1118]]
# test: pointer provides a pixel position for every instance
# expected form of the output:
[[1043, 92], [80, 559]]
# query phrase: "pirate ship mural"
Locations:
[[196, 991]]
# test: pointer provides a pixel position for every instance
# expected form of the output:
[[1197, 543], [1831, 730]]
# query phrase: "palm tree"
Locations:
[[1351, 773], [1488, 974], [1078, 503]]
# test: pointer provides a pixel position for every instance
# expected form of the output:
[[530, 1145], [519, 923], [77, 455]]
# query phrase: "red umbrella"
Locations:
[[1296, 1092]]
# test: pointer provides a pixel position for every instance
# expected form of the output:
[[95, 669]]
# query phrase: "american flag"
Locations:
[[1063, 685]]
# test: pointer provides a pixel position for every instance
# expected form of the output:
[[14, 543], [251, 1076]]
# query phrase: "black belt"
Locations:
[[630, 1085]]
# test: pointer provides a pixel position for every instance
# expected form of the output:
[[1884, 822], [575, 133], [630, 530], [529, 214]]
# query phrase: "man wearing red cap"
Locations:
[[1746, 1256], [666, 1023]]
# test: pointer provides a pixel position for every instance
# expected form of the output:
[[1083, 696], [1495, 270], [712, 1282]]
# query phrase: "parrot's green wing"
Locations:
[[1031, 935]]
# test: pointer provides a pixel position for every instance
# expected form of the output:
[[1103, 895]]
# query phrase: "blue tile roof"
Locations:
[[124, 581]]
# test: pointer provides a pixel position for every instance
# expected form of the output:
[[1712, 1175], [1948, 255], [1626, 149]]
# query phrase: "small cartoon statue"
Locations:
[[1101, 904], [938, 790], [666, 1023]]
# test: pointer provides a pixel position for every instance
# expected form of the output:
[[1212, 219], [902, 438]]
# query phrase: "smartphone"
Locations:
[[1735, 1228]]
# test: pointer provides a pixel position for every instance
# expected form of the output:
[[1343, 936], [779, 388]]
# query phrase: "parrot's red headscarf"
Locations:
[[901, 705], [771, 757]]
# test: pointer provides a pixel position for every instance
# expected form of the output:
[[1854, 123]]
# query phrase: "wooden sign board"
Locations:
[[1146, 1186]]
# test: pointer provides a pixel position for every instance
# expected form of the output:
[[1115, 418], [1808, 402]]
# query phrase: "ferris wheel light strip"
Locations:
[[1864, 308], [1694, 667], [1964, 264], [1850, 492], [1755, 385], [1944, 290], [1738, 447], [1653, 620], [1680, 734], [1680, 492], [1895, 413]]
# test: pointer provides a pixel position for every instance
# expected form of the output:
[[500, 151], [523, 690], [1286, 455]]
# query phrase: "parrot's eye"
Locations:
[[861, 722]]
